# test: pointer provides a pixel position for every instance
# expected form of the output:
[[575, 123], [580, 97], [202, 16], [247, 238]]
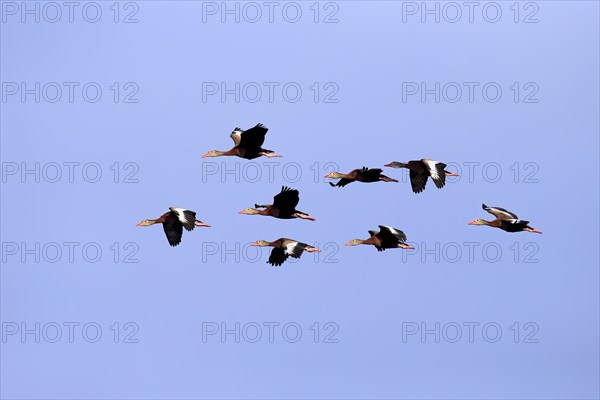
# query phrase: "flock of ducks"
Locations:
[[248, 145]]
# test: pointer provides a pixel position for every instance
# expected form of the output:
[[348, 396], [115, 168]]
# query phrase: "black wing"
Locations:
[[513, 225], [440, 179], [186, 217], [342, 182], [397, 233], [369, 175], [418, 181], [253, 137], [287, 199], [500, 213], [190, 217], [277, 257], [173, 229], [387, 240]]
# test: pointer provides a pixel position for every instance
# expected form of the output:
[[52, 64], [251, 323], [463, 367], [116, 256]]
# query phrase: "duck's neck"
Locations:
[[368, 241], [231, 152]]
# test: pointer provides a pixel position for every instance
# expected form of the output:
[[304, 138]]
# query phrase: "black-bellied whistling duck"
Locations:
[[386, 238], [420, 170], [359, 175], [248, 144], [284, 248], [173, 223], [284, 206], [505, 220]]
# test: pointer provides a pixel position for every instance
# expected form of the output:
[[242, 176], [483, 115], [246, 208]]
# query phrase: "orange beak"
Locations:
[[242, 212], [200, 223], [254, 244], [388, 165], [206, 155], [451, 174], [140, 224], [472, 222], [349, 243]]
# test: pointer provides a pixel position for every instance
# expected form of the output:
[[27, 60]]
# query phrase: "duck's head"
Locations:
[[478, 222], [146, 222], [260, 243], [395, 164], [354, 242], [333, 175], [213, 153], [249, 211]]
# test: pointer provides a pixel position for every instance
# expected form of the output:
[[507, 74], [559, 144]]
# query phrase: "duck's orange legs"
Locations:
[[271, 155], [305, 216], [532, 230]]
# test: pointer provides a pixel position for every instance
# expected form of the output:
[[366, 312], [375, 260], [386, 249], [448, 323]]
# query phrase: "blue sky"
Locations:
[[533, 150]]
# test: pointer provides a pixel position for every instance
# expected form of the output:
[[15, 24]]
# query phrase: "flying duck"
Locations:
[[420, 170], [505, 220], [284, 206], [359, 175], [284, 248], [248, 144], [386, 238], [173, 223]]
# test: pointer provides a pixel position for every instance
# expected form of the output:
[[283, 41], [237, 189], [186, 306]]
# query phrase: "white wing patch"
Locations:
[[289, 248], [180, 214], [236, 136], [431, 166], [394, 231]]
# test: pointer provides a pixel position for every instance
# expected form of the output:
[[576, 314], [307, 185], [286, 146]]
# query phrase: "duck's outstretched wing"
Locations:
[[253, 137], [499, 213], [287, 199], [342, 182], [173, 229], [277, 257]]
